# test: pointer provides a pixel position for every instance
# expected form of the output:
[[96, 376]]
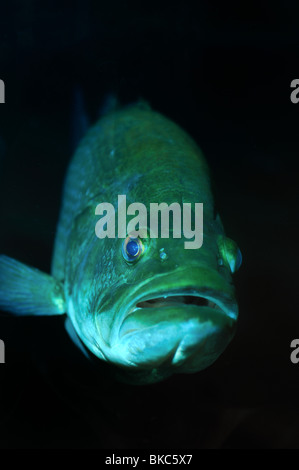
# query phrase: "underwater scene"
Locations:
[[148, 226]]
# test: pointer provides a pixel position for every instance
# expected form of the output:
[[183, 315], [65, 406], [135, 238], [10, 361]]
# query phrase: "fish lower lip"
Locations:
[[190, 337], [174, 309]]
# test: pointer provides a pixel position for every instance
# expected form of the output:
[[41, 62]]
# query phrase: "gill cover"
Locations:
[[230, 254]]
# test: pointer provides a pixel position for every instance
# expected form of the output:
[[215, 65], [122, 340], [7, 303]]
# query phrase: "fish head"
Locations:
[[152, 307]]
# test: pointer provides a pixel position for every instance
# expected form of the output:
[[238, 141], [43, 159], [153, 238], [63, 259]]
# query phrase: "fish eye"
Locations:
[[132, 249], [230, 254]]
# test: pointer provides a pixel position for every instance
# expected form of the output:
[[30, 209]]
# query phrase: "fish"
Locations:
[[146, 306]]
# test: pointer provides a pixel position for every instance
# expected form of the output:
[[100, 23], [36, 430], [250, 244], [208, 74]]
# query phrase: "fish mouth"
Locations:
[[182, 320], [176, 306], [186, 330], [165, 301]]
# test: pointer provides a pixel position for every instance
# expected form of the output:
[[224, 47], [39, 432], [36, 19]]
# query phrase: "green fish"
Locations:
[[148, 306]]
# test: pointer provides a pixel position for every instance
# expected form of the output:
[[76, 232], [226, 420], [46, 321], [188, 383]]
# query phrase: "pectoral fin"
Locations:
[[28, 291]]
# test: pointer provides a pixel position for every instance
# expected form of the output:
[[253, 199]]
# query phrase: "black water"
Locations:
[[223, 73]]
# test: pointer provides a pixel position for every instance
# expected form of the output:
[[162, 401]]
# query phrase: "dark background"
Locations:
[[223, 72]]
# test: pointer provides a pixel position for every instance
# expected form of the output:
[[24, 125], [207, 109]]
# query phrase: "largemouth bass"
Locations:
[[147, 305]]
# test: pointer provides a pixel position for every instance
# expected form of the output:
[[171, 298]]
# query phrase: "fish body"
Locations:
[[168, 310]]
